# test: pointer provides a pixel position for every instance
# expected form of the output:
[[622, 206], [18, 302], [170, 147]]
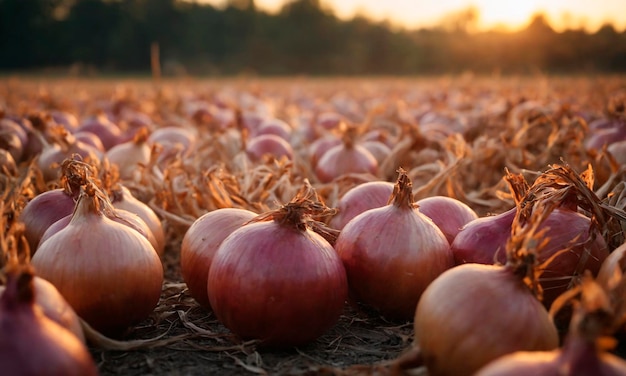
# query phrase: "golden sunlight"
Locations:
[[510, 15]]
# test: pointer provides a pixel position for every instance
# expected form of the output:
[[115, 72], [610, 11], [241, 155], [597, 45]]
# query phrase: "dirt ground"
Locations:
[[193, 342]]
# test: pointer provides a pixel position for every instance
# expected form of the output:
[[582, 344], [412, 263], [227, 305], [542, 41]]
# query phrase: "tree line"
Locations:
[[303, 37]]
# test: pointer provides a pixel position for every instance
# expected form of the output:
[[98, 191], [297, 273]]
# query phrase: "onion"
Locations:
[[320, 146], [200, 244], [379, 150], [449, 214], [276, 127], [10, 142], [55, 307], [31, 343], [67, 145], [268, 144], [14, 128], [329, 120], [123, 199], [582, 352], [345, 158], [483, 241], [391, 254], [66, 119], [473, 314], [7, 163], [128, 156], [363, 197], [276, 280], [48, 207], [100, 125], [90, 139], [124, 217], [109, 273]]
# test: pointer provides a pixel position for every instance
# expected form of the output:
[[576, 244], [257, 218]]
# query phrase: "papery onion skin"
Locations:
[[449, 214], [32, 344], [277, 284], [483, 241], [390, 256], [392, 253], [109, 273], [124, 217], [55, 307], [363, 197], [268, 144], [42, 211], [123, 199], [556, 363], [473, 314], [340, 160], [200, 244]]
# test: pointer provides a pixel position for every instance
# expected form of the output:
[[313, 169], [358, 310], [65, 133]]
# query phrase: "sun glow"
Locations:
[[507, 14]]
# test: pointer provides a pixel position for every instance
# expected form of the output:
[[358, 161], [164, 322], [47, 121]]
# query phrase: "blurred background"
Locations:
[[312, 37]]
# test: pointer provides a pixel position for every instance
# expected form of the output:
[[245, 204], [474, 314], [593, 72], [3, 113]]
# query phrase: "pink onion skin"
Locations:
[[90, 139], [123, 199], [33, 344], [109, 273], [577, 357], [124, 217], [276, 127], [66, 119], [271, 144], [391, 254], [363, 197], [379, 150], [449, 214], [484, 241], [200, 244], [108, 132], [42, 211], [473, 314], [340, 160], [55, 307], [282, 286], [320, 146]]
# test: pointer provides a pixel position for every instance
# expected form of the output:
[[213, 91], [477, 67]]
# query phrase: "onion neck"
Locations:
[[19, 290], [402, 196]]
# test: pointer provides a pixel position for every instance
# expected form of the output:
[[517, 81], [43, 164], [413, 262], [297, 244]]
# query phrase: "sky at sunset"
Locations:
[[507, 14]]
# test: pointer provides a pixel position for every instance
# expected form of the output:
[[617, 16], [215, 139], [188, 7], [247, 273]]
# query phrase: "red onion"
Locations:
[[90, 139], [48, 207], [329, 120], [55, 307], [130, 155], [123, 199], [108, 132], [320, 146], [276, 127], [66, 119], [10, 142], [473, 314], [276, 280], [31, 343], [449, 214], [268, 144], [484, 240], [118, 215], [200, 244], [379, 150], [391, 254], [581, 353], [109, 273], [363, 197], [344, 159]]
